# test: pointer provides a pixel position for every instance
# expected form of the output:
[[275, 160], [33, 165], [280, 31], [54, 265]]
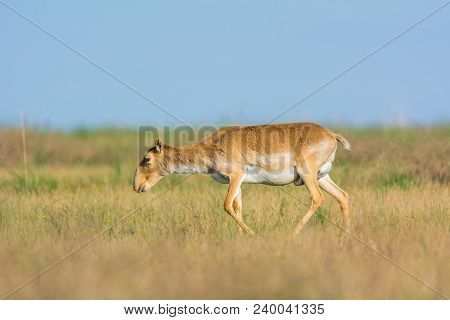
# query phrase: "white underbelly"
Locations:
[[277, 177], [280, 177]]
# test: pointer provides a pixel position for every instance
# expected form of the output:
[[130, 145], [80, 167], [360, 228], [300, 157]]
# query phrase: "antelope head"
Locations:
[[150, 170]]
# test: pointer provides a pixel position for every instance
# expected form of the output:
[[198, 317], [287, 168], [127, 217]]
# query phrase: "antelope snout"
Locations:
[[139, 186]]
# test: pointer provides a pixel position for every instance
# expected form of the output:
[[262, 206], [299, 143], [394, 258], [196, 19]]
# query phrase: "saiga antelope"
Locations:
[[278, 154]]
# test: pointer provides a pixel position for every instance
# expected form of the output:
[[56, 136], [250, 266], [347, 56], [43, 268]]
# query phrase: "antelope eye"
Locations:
[[146, 161]]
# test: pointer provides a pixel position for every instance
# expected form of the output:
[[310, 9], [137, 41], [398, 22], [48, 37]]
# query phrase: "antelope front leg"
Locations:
[[229, 205], [237, 206]]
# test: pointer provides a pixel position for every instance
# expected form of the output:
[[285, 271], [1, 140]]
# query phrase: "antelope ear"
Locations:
[[158, 146]]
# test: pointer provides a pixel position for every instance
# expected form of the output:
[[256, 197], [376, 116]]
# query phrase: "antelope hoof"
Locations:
[[249, 232], [348, 230]]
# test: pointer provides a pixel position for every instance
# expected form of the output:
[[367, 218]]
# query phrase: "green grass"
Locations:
[[395, 179], [31, 183]]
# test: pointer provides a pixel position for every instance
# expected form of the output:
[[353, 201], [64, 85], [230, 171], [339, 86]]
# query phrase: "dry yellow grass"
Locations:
[[183, 245]]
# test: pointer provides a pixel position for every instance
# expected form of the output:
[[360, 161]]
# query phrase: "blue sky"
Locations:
[[223, 61]]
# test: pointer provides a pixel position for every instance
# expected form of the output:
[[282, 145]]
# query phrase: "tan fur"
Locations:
[[278, 154]]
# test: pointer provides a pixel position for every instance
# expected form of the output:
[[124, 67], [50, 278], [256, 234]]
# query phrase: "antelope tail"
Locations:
[[343, 141]]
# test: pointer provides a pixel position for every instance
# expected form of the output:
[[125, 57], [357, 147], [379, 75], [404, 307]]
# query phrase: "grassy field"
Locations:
[[182, 245]]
